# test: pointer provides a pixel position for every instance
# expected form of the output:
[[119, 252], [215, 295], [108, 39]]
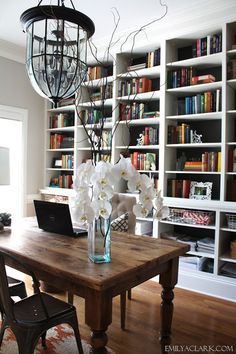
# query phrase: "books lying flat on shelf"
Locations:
[[203, 264], [206, 244], [229, 270]]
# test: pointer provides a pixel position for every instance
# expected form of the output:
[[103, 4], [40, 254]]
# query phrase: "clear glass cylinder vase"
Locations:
[[99, 240]]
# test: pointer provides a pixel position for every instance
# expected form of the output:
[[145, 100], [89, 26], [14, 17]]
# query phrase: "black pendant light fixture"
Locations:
[[56, 48]]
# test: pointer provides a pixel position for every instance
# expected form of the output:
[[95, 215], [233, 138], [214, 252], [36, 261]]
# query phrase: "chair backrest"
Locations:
[[122, 204], [5, 298]]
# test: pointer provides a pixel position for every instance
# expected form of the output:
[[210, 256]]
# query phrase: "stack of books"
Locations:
[[206, 244]]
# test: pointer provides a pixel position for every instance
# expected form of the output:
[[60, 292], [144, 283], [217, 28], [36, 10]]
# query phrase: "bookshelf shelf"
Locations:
[[206, 60], [98, 82], [152, 95], [195, 88], [226, 257], [143, 121], [147, 72], [62, 129], [198, 116], [209, 227], [194, 172], [98, 103], [195, 145], [61, 150]]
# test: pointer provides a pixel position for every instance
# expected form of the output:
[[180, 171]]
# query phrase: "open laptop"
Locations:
[[55, 217]]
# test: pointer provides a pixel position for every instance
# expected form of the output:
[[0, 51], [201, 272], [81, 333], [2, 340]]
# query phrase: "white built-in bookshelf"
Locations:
[[179, 108]]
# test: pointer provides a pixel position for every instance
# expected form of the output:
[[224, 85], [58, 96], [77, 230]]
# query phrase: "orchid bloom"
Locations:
[[124, 169], [83, 214], [102, 208]]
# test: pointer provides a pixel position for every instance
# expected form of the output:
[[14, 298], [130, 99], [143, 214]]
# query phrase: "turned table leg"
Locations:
[[98, 341], [98, 316], [168, 281]]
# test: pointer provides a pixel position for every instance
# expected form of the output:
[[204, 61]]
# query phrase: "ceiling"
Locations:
[[133, 14]]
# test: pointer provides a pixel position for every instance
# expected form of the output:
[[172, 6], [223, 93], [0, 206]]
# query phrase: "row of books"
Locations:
[[103, 93], [56, 140], [210, 162], [232, 160], [178, 188], [62, 181], [104, 138], [208, 45], [186, 77], [98, 72], [66, 161], [102, 157], [205, 102], [231, 69], [90, 116], [148, 61], [180, 134], [136, 111], [202, 46], [151, 136], [197, 244], [65, 119], [134, 86], [144, 161]]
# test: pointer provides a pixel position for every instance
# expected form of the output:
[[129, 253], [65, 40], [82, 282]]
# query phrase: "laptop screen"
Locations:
[[55, 217]]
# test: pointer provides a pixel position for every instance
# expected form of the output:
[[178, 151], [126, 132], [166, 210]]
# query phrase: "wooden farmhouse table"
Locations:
[[63, 262]]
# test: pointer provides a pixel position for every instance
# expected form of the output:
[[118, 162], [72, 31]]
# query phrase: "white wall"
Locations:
[[16, 90]]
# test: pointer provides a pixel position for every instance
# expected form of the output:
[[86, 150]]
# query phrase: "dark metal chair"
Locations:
[[16, 288], [32, 316]]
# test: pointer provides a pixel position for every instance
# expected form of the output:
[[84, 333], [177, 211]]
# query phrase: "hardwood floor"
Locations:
[[204, 324]]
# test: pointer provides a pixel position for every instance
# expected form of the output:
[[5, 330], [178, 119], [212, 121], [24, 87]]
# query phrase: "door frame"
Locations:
[[19, 114]]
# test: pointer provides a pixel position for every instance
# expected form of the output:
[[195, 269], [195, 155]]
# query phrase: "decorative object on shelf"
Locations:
[[197, 138], [56, 48], [94, 186], [140, 140], [200, 190], [5, 218]]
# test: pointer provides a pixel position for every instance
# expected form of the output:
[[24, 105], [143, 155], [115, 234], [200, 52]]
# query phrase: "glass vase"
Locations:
[[99, 241]]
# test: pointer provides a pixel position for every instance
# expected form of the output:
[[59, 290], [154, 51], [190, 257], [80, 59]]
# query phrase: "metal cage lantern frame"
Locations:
[[56, 49]]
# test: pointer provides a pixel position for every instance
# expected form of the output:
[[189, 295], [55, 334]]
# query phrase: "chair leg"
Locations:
[[129, 294], [26, 340], [43, 338], [70, 297], [75, 325], [3, 328], [122, 309]]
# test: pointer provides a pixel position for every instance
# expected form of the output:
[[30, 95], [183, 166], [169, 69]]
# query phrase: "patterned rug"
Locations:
[[60, 340]]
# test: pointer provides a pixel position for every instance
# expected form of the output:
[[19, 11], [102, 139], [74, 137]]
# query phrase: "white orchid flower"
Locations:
[[105, 193], [80, 185], [140, 211], [102, 208], [146, 197], [85, 171], [124, 169], [158, 202], [83, 214], [162, 213], [102, 174], [139, 182]]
